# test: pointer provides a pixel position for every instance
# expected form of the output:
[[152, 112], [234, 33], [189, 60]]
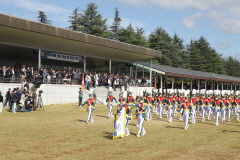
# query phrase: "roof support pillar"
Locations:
[[231, 86], [110, 66], [151, 73], [198, 84], [39, 58], [222, 85], [143, 69], [130, 70], [182, 84], [136, 72], [212, 85], [191, 88], [205, 85], [84, 64], [172, 83], [162, 84], [217, 85], [165, 83]]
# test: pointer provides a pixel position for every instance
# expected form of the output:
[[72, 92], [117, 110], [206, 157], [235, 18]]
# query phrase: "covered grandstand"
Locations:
[[27, 42]]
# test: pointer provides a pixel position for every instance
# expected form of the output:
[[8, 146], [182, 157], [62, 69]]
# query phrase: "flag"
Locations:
[[82, 86], [155, 84], [119, 125]]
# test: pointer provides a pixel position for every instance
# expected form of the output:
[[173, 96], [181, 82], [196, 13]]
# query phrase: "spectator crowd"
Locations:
[[52, 76], [20, 99]]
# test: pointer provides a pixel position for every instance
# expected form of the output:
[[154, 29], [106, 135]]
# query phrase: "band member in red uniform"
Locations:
[[219, 107], [237, 109], [91, 103], [160, 105], [141, 116], [208, 104], [155, 103], [149, 101], [170, 108], [186, 109], [203, 107], [110, 105]]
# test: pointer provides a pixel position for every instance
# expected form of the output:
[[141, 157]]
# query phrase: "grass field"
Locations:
[[60, 132]]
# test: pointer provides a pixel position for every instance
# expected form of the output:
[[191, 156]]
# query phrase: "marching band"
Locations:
[[187, 108]]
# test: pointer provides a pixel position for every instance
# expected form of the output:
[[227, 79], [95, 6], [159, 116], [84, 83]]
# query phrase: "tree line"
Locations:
[[197, 55]]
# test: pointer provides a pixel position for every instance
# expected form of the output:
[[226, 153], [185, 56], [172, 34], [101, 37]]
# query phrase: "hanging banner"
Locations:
[[119, 124], [62, 57]]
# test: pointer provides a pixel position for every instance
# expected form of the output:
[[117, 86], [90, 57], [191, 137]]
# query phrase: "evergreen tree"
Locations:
[[116, 25], [232, 67], [74, 18], [204, 58], [91, 22], [160, 40], [140, 40], [129, 35], [182, 59], [42, 18]]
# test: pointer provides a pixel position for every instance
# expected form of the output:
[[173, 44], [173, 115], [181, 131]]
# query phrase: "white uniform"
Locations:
[[236, 111], [194, 114], [223, 113], [170, 110], [141, 116], [216, 114], [186, 107]]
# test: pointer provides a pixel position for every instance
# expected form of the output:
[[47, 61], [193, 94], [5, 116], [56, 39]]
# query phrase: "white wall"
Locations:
[[61, 94], [5, 86]]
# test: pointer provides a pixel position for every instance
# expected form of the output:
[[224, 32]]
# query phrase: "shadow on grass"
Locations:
[[208, 123], [132, 125], [102, 116], [80, 120], [108, 135], [230, 131], [231, 124], [174, 127]]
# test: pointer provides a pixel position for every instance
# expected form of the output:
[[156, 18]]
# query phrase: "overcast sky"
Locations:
[[217, 20]]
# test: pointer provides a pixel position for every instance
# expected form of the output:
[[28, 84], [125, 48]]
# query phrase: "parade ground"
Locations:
[[60, 132]]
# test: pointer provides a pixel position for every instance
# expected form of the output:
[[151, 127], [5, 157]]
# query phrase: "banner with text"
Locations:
[[62, 57]]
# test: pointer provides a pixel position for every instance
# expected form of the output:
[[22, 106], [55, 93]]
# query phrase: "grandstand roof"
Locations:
[[25, 33], [187, 73]]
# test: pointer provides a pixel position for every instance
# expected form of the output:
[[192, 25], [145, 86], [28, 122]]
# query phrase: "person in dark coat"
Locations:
[[8, 98], [15, 99], [1, 102]]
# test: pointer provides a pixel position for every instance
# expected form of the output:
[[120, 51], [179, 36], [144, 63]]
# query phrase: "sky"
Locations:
[[217, 20]]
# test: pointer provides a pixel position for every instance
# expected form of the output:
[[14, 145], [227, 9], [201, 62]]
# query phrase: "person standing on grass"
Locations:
[[122, 105], [194, 109], [8, 99], [15, 99], [141, 117], [236, 111], [219, 107], [186, 106], [149, 101], [160, 105], [1, 102], [80, 97], [109, 100], [209, 107], [91, 103], [203, 108], [227, 103]]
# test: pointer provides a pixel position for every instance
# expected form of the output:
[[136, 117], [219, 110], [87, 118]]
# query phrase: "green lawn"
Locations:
[[60, 132]]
